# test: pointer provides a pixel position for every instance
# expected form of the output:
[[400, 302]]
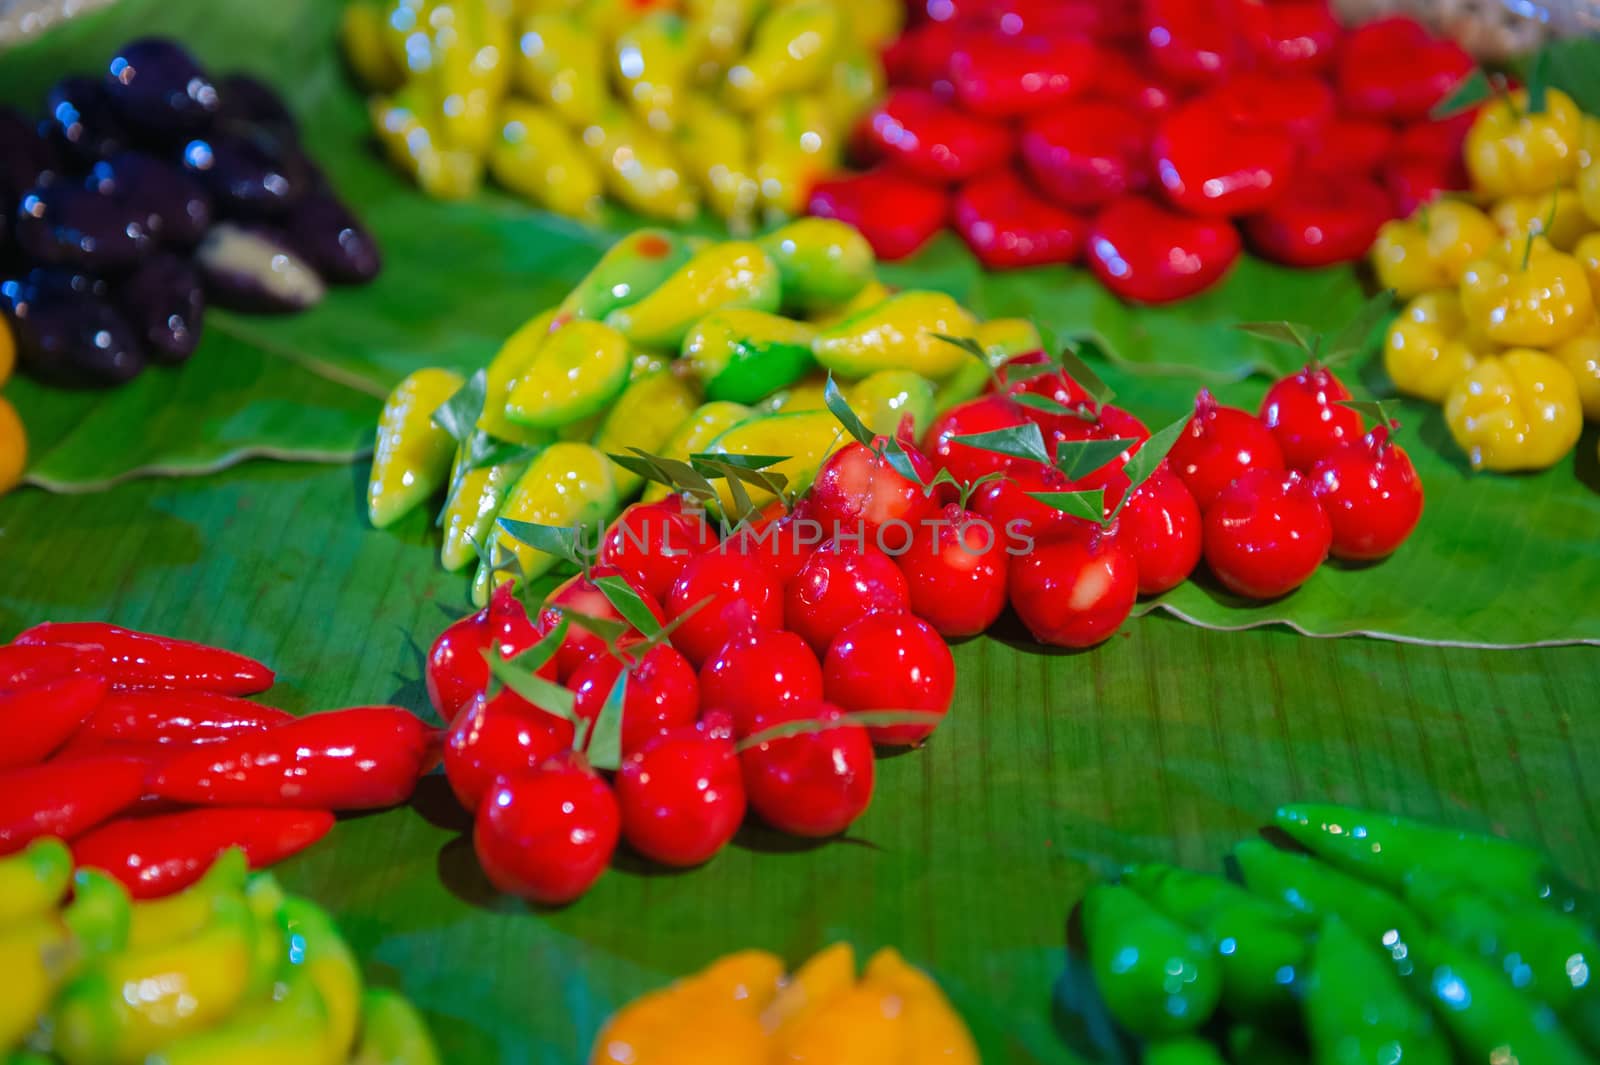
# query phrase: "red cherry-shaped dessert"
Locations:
[[814, 784], [1296, 36], [662, 693], [1148, 254], [1007, 225], [1075, 591], [955, 571], [650, 543], [891, 662], [1055, 385], [1122, 81], [839, 583], [581, 596], [548, 834], [779, 543], [1015, 516], [1372, 495], [1320, 220], [1307, 416], [456, 673], [1160, 527], [1393, 68], [1198, 42], [965, 462], [681, 796], [1087, 153], [1217, 446], [1349, 146], [921, 54], [1299, 105], [1001, 75], [1111, 423], [931, 141], [743, 597], [1414, 181], [897, 214], [1209, 164], [1266, 533], [756, 671], [857, 493], [499, 737]]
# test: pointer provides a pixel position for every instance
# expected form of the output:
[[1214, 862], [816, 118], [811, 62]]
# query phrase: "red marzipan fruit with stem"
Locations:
[[931, 141], [814, 784], [1218, 446], [1266, 533], [779, 544], [897, 214], [891, 662], [499, 737], [682, 795], [456, 673], [650, 543], [1160, 527], [1320, 219], [1209, 164], [1010, 509], [1122, 81], [548, 834], [839, 583], [743, 597], [921, 54], [1007, 225], [955, 573], [857, 492], [1349, 146], [1297, 104], [1372, 495], [1148, 254], [1056, 385], [756, 671], [1074, 591], [1109, 423], [1086, 153], [1000, 75], [965, 462], [662, 693], [1306, 415]]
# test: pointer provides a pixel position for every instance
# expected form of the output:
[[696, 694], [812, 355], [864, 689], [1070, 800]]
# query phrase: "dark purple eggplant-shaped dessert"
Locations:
[[66, 330], [79, 119], [164, 301], [249, 172], [251, 100], [158, 88], [174, 206], [330, 237], [255, 268], [68, 224]]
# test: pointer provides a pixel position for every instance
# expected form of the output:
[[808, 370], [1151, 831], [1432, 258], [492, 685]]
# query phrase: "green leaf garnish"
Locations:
[[620, 594], [966, 344], [459, 414], [1371, 409], [1013, 373], [604, 746], [1353, 337], [1152, 451], [676, 474], [737, 460], [1469, 92], [1079, 458], [848, 418], [540, 653], [894, 453], [547, 695], [1034, 401], [1291, 333], [1023, 441], [1087, 379], [610, 630], [563, 542], [1538, 85], [1088, 505]]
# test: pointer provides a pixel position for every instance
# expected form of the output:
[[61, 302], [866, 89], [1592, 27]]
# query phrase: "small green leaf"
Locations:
[[608, 629], [1292, 333], [1468, 93], [536, 656], [740, 473], [674, 473], [1352, 338], [564, 542], [942, 476], [894, 453], [1023, 441], [1371, 409], [862, 718], [1034, 401], [1079, 458], [620, 594], [1538, 85], [847, 417], [966, 344], [604, 747], [497, 559], [736, 460], [1017, 372], [1152, 451], [459, 414], [672, 626], [1087, 379], [546, 695], [500, 453], [1088, 505]]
